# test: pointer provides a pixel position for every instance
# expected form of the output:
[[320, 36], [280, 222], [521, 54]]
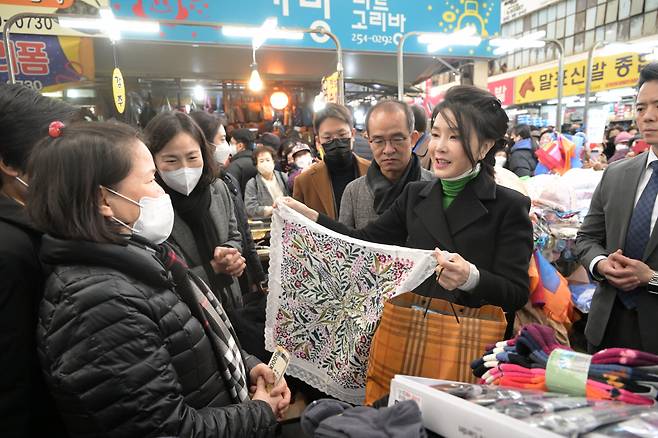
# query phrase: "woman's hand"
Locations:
[[298, 207], [279, 397], [228, 261], [451, 273]]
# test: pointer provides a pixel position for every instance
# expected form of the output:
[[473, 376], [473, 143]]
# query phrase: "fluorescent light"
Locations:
[[109, 25], [199, 92], [258, 35], [77, 93], [436, 41], [52, 94], [506, 45], [616, 48]]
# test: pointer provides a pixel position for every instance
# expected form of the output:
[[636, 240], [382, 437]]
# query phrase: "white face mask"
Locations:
[[304, 161], [500, 161], [265, 168], [156, 217], [183, 180], [223, 151]]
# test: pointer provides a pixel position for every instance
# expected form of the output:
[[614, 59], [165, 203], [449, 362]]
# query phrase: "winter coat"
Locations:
[[124, 357], [522, 160], [242, 168], [258, 196], [26, 408]]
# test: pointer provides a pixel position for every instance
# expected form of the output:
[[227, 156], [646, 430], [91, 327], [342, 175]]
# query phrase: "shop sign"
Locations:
[[48, 26], [503, 90], [48, 62], [609, 72], [360, 25], [330, 88], [513, 9], [118, 90]]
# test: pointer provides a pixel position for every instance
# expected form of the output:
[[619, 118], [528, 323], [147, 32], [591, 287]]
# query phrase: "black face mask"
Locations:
[[338, 153]]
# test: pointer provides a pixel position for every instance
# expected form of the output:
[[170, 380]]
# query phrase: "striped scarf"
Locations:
[[207, 309]]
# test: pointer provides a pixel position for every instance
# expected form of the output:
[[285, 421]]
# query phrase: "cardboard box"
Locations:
[[453, 417]]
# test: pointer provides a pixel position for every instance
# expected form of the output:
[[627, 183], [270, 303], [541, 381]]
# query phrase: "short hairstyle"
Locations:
[[165, 126], [332, 111], [271, 140], [475, 110], [260, 150], [244, 136], [420, 118], [209, 124], [66, 174], [389, 105], [522, 131], [24, 120], [648, 73]]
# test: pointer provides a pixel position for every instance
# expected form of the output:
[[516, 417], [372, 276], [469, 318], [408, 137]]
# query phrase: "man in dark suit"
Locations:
[[616, 243]]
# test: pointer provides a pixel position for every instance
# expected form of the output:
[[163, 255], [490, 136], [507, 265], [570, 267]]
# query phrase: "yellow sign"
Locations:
[[118, 90], [330, 88], [616, 71]]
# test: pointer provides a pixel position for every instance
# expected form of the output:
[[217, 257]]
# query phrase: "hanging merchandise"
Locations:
[[118, 87], [326, 296]]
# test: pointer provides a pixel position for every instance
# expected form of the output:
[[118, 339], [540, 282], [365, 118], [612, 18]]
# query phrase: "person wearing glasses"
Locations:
[[391, 134], [485, 226], [321, 187]]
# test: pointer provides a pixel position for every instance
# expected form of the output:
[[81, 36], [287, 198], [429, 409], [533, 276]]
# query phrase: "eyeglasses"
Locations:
[[396, 141], [328, 138]]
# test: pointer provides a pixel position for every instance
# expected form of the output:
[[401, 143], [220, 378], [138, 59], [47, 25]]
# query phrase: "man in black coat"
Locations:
[[242, 165]]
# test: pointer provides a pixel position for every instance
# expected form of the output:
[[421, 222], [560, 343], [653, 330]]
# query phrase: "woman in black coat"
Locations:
[[131, 342], [464, 212]]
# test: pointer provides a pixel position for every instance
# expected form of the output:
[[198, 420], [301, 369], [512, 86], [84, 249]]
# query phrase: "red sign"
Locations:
[[503, 90]]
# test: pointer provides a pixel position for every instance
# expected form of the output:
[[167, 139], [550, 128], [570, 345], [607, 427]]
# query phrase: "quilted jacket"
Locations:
[[124, 357]]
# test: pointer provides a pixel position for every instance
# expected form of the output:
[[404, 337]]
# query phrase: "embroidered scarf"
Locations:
[[326, 296]]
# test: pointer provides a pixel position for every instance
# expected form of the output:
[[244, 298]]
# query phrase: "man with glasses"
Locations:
[[391, 134], [321, 187]]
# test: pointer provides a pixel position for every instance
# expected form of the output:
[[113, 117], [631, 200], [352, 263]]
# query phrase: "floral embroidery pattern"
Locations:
[[330, 293]]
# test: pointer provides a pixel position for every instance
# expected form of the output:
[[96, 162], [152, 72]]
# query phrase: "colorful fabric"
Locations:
[[551, 290], [326, 297], [558, 155], [625, 356]]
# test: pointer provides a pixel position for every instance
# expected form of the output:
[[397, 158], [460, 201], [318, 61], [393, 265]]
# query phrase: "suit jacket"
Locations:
[[223, 215], [602, 233], [313, 187], [488, 225]]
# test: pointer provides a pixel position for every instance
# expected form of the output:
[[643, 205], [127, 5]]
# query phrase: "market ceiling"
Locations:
[[161, 60]]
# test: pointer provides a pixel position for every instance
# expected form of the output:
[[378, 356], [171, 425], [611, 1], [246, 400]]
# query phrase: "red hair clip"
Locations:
[[55, 129]]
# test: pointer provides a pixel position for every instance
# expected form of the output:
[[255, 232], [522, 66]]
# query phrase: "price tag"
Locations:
[[566, 372], [118, 90]]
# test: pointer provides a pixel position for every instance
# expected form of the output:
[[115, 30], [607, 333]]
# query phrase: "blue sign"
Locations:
[[360, 25]]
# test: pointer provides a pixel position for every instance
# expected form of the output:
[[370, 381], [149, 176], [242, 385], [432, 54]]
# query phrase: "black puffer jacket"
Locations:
[[124, 357]]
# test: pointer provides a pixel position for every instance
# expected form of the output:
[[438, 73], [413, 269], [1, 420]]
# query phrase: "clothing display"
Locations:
[[613, 374], [326, 296]]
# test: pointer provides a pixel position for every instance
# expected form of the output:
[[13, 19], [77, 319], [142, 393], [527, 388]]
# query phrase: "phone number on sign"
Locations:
[[386, 40], [37, 23], [36, 85]]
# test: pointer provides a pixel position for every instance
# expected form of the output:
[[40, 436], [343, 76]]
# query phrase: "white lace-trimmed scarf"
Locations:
[[326, 296]]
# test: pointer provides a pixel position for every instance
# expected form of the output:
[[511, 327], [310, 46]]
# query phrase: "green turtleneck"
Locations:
[[452, 188]]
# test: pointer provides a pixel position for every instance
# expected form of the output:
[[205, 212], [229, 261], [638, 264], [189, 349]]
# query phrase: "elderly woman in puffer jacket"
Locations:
[[132, 344]]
